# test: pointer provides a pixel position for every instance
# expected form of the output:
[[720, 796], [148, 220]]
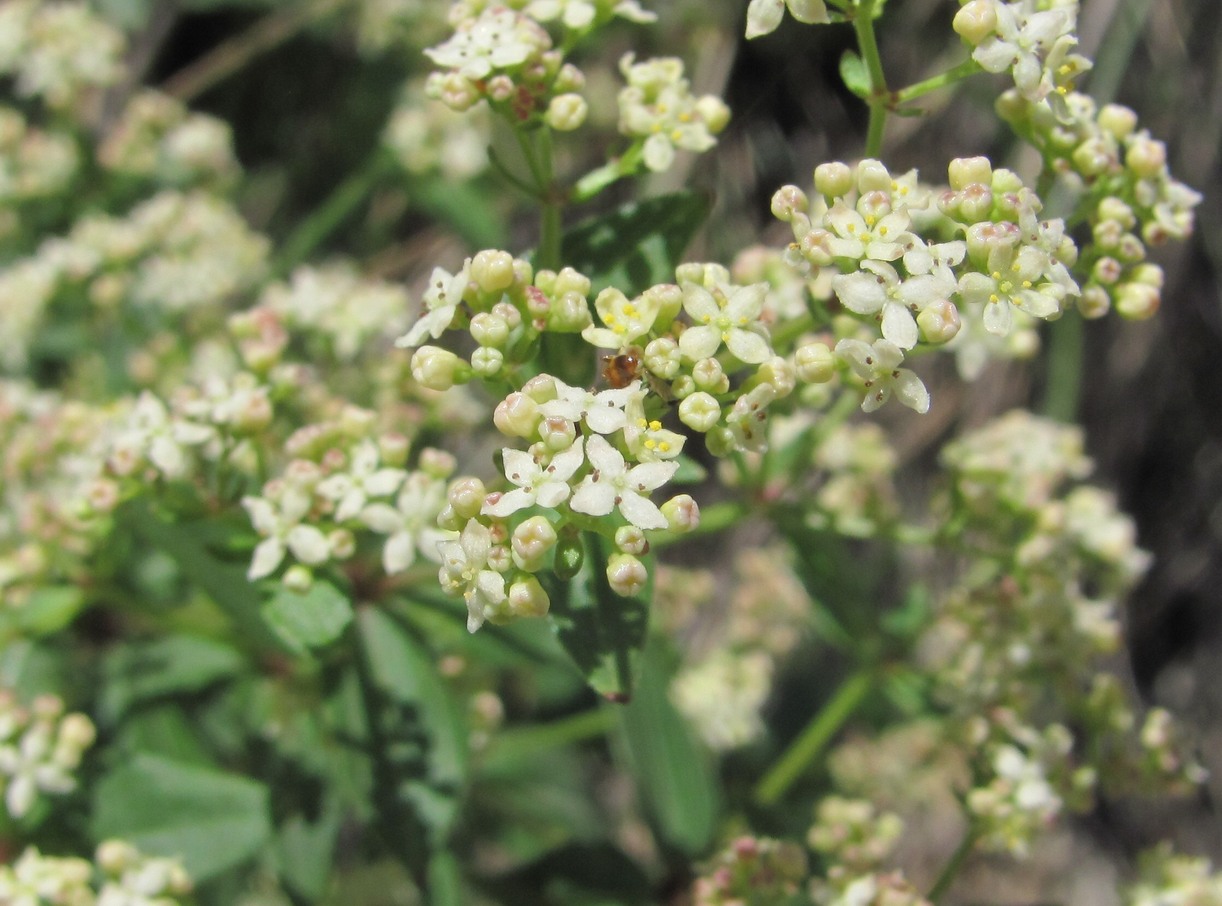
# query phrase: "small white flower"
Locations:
[[868, 235], [537, 484], [877, 289], [731, 318], [763, 16], [283, 531], [624, 320], [441, 300], [465, 571], [878, 367], [352, 489], [411, 524], [602, 412], [613, 485], [498, 39]]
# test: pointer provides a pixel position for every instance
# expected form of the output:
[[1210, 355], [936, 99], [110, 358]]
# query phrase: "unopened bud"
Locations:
[[466, 497], [528, 599], [566, 112], [682, 514], [833, 179], [700, 411], [814, 363], [975, 21], [492, 270], [939, 322], [516, 416], [626, 575]]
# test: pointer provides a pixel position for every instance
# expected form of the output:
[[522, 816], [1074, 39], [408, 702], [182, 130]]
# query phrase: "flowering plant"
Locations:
[[464, 538]]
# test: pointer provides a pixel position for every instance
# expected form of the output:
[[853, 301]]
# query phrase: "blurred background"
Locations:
[[308, 103]]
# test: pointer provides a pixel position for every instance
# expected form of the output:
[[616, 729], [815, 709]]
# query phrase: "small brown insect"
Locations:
[[621, 370]]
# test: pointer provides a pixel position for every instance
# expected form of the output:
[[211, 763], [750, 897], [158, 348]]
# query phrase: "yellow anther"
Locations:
[[1027, 284], [655, 425], [664, 447]]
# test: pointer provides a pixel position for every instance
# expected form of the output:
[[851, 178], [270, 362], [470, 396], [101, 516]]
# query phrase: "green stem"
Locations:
[[950, 871], [575, 728], [331, 214], [916, 90], [815, 738], [879, 100], [1064, 390], [599, 178]]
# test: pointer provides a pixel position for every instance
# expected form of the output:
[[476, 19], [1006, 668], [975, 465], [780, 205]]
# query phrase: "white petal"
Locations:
[[659, 153], [509, 503], [763, 16], [520, 466], [809, 11], [651, 475], [911, 392], [594, 498], [604, 457], [749, 347], [898, 325], [267, 557], [552, 494], [699, 342], [382, 518], [399, 553], [997, 318], [642, 512], [308, 544], [861, 292]]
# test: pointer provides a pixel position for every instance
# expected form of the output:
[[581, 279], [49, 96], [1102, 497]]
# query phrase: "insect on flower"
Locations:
[[621, 370]]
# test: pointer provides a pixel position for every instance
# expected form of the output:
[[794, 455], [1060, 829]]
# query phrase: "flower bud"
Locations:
[[631, 540], [433, 462], [570, 313], [975, 21], [492, 270], [682, 514], [699, 411], [873, 176], [1145, 157], [832, 180], [814, 363], [466, 496], [342, 543], [1117, 120], [557, 433], [1137, 301], [569, 78], [1113, 208], [528, 599], [669, 299], [720, 441], [713, 111], [967, 171], [626, 575], [393, 448], [489, 329], [566, 112], [570, 554], [516, 416], [709, 375], [298, 578], [1107, 271], [682, 387], [487, 362], [541, 388], [662, 358], [500, 87], [787, 201], [939, 322], [1094, 301], [435, 368], [531, 542]]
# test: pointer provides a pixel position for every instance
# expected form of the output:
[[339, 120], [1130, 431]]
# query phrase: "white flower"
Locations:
[[878, 289], [363, 480], [282, 530], [763, 16], [441, 300], [623, 320], [411, 524], [612, 484], [603, 412], [544, 485], [719, 318], [1014, 280], [859, 235], [877, 366], [498, 39], [465, 571]]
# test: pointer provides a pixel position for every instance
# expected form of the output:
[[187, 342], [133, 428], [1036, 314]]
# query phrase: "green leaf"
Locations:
[[212, 820], [304, 849], [404, 670], [855, 74], [602, 632], [672, 769], [637, 245], [139, 671], [47, 610], [310, 619]]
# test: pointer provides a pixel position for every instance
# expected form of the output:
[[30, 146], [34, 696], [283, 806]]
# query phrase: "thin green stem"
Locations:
[[575, 728], [815, 738], [879, 99], [916, 90], [553, 208], [1064, 390], [331, 214], [950, 871]]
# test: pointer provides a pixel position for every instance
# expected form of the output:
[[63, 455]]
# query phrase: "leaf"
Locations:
[[47, 610], [672, 769], [405, 671], [637, 245], [310, 619], [304, 849], [855, 74], [602, 632], [139, 671], [212, 820]]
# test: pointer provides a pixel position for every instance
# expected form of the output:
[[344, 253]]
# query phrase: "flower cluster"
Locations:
[[1127, 196], [1169, 879], [427, 138], [40, 748], [729, 670], [751, 870], [34, 163], [57, 51], [657, 108], [158, 138], [120, 875], [1031, 39]]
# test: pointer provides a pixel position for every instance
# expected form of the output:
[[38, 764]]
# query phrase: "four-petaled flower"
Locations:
[[411, 523], [877, 365], [441, 300], [603, 412], [351, 489], [546, 485], [877, 289], [281, 526], [882, 237], [1016, 278], [733, 319], [624, 320], [613, 485], [465, 571]]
